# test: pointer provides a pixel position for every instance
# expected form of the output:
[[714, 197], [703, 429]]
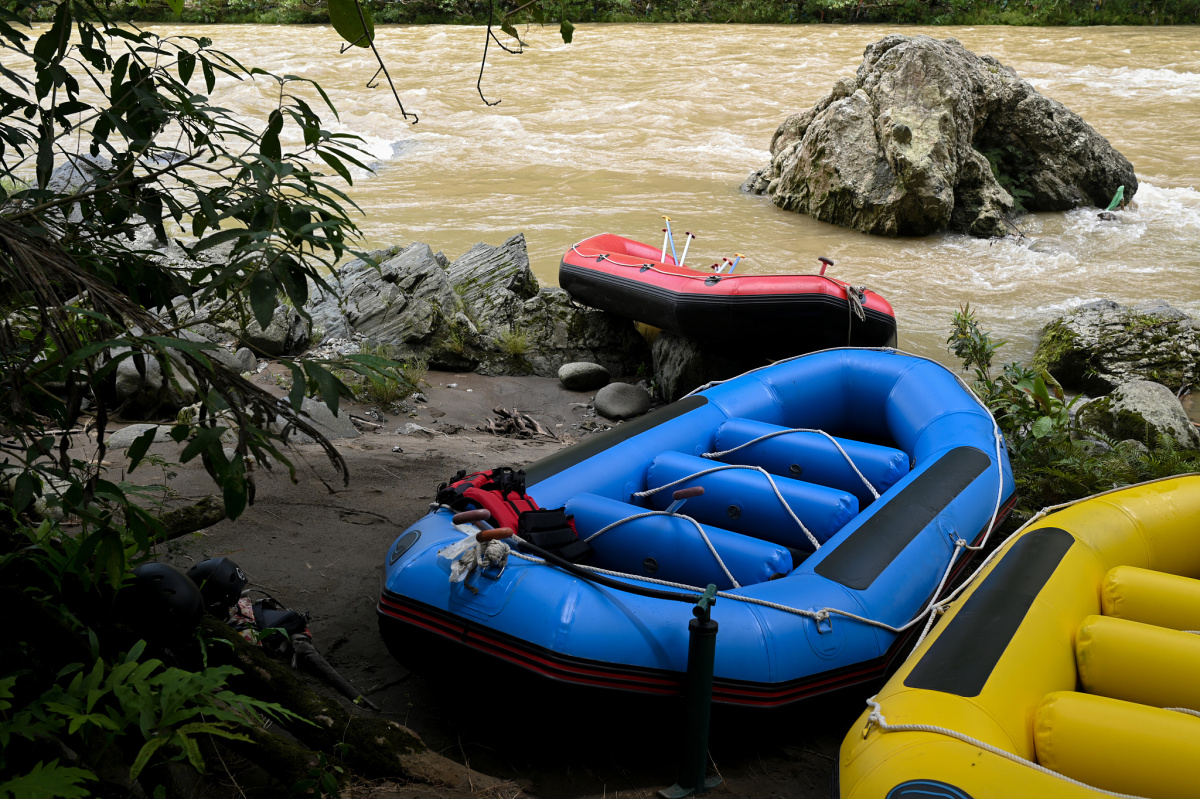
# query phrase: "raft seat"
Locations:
[[743, 501], [813, 457], [1137, 666], [669, 548]]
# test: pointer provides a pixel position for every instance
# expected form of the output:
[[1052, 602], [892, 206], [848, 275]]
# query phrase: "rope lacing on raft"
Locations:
[[699, 529], [832, 440], [877, 719], [723, 467], [934, 609]]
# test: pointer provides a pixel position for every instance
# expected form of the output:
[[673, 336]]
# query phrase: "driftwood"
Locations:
[[514, 423]]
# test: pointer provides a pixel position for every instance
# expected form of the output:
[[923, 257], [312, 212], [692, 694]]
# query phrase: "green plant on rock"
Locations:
[[514, 343]]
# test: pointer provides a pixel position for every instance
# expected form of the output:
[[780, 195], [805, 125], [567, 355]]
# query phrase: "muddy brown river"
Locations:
[[630, 122]]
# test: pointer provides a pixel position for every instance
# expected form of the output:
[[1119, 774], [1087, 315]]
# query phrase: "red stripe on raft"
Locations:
[[636, 680]]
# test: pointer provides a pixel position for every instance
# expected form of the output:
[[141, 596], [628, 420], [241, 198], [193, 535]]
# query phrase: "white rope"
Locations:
[[603, 256], [1187, 710], [699, 529], [877, 719], [832, 440], [812, 539]]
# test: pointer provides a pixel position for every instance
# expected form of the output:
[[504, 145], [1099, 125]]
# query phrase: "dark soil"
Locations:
[[318, 547]]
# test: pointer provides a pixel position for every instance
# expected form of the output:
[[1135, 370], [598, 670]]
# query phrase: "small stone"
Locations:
[[622, 401], [583, 376], [452, 385], [246, 362], [396, 449]]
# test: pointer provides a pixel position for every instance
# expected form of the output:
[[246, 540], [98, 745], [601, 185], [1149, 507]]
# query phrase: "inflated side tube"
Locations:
[[1118, 746], [813, 457], [1138, 662], [743, 501], [1151, 597], [669, 548]]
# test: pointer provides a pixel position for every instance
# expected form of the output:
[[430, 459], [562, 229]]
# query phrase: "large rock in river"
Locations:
[[930, 136], [1102, 344]]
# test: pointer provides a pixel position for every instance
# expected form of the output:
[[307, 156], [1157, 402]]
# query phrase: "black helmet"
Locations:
[[221, 583], [168, 603]]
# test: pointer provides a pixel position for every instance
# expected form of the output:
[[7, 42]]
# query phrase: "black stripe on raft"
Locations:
[[869, 550], [598, 442], [963, 656], [822, 319]]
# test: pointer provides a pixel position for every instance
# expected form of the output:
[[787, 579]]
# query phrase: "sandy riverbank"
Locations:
[[319, 547]]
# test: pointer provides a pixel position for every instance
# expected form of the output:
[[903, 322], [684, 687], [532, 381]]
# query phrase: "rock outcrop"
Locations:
[[1100, 345], [682, 364], [485, 311], [1143, 411], [929, 136]]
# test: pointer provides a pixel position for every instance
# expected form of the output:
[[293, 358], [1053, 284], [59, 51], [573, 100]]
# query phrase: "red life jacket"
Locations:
[[502, 492]]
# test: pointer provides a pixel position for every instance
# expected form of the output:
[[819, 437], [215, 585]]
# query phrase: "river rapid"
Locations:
[[630, 122]]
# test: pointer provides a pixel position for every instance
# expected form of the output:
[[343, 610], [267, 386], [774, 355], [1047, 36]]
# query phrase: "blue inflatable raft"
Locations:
[[842, 491]]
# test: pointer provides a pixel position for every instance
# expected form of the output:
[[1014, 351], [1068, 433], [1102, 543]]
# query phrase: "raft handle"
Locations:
[[469, 516]]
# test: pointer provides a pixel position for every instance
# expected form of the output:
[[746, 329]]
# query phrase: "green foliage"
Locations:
[[513, 343], [379, 378], [77, 300], [971, 343], [1053, 459]]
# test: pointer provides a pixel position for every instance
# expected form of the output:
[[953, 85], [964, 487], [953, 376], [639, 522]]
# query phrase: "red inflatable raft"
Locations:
[[783, 315]]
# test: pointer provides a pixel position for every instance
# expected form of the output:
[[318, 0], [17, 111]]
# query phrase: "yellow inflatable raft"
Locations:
[[1070, 667]]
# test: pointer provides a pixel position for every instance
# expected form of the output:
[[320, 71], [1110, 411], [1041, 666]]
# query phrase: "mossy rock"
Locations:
[[1143, 411]]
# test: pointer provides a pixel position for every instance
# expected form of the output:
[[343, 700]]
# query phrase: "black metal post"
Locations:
[[702, 651]]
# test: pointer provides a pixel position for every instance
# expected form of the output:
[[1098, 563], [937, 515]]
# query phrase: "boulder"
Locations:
[[583, 376], [682, 364], [124, 438], [621, 401], [1100, 345], [1143, 411], [406, 303], [319, 416], [484, 311], [929, 136], [144, 392], [558, 332], [288, 333], [494, 282]]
